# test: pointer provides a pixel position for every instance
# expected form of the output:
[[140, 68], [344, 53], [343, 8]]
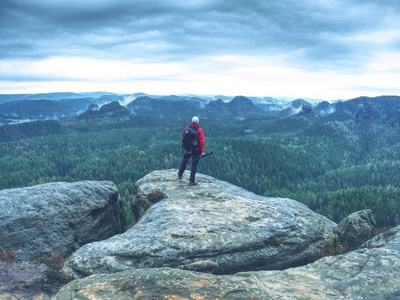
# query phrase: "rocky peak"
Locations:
[[231, 228], [324, 105], [299, 103], [93, 107], [217, 108], [306, 110], [110, 112], [323, 108], [216, 103], [241, 105], [264, 247], [241, 101], [113, 109]]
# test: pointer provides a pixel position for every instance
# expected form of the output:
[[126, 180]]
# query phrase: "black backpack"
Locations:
[[189, 142]]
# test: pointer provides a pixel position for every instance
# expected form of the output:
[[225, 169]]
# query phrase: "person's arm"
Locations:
[[200, 140]]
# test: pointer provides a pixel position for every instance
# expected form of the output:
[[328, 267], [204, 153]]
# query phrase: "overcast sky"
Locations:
[[324, 49]]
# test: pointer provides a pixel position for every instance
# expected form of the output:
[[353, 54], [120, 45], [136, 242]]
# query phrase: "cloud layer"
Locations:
[[193, 46]]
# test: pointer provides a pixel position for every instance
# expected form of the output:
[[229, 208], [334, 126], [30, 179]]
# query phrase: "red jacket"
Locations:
[[200, 137]]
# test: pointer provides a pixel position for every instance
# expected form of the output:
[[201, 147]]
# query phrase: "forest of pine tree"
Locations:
[[335, 168]]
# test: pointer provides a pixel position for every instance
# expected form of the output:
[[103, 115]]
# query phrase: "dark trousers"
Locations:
[[195, 159]]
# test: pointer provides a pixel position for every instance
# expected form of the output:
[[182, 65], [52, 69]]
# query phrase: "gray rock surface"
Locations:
[[361, 274], [233, 229], [389, 239], [27, 280], [58, 217], [392, 296], [356, 229]]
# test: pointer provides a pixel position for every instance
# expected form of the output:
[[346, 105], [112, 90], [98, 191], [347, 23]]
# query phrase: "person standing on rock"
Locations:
[[193, 144]]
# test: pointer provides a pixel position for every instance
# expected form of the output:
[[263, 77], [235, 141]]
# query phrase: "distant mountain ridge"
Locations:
[[22, 107], [51, 96], [163, 108], [34, 109], [43, 109]]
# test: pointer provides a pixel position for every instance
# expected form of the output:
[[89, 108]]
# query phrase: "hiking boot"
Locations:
[[180, 177], [192, 183]]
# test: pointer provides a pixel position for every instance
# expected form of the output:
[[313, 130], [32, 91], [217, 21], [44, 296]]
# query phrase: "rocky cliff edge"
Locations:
[[264, 246], [231, 228]]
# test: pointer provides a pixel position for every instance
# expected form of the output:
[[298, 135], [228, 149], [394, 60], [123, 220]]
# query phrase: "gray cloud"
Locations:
[[173, 30]]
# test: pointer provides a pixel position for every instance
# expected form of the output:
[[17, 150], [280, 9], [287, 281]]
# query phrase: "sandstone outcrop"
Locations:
[[211, 241], [361, 274], [58, 217], [231, 228], [367, 273]]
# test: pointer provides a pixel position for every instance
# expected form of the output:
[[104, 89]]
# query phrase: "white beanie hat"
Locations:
[[195, 120]]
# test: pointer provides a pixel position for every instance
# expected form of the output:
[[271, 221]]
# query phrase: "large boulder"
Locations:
[[361, 274], [356, 229], [232, 229], [58, 217]]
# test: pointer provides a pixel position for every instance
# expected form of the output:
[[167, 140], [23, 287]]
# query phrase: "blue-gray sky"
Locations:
[[325, 49]]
